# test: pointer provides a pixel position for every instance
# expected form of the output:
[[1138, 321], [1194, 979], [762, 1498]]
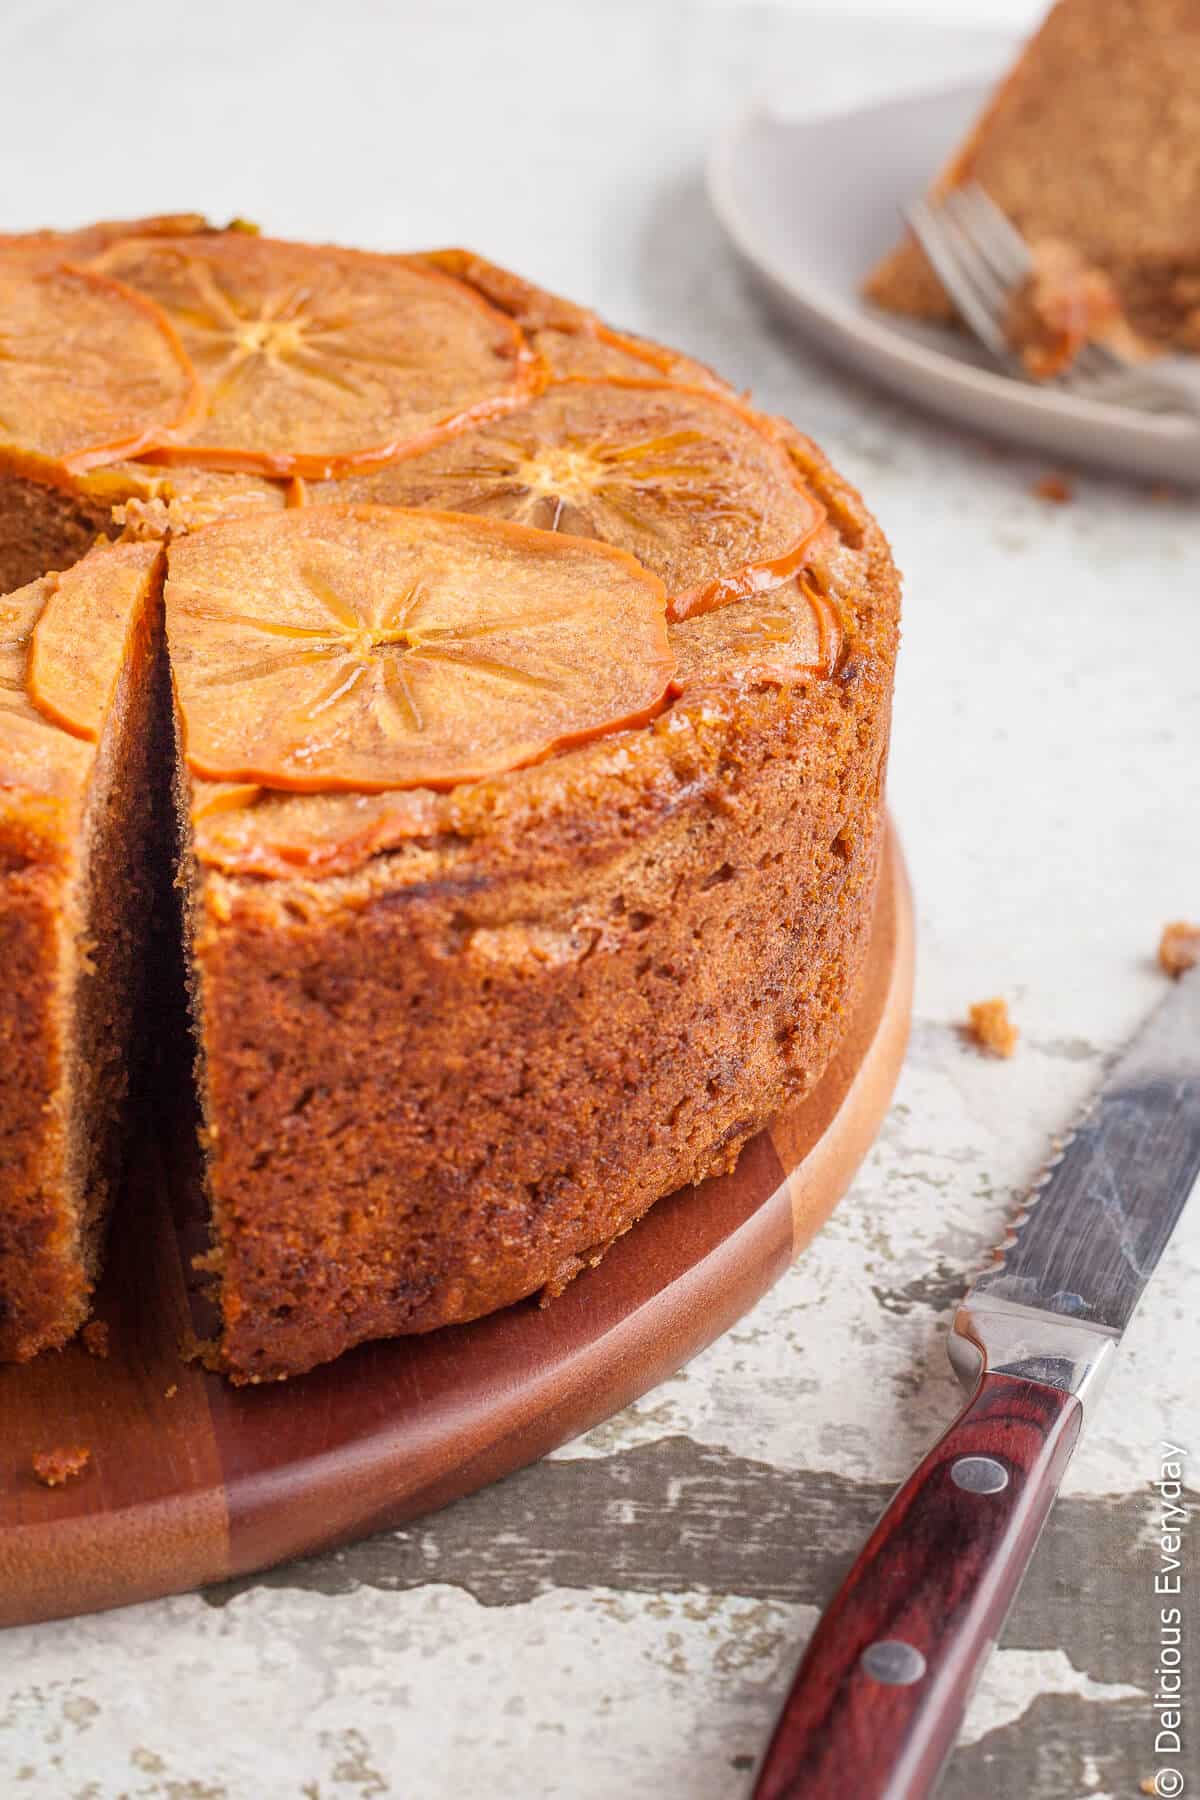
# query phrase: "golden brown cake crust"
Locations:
[[435, 1081], [1118, 76]]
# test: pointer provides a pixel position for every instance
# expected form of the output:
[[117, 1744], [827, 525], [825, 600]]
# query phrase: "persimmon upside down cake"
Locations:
[[531, 699]]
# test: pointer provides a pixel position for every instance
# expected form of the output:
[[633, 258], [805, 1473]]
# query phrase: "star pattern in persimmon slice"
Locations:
[[690, 483], [88, 370], [364, 648], [315, 359]]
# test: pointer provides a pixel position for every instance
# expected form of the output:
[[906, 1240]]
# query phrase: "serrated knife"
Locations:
[[880, 1695]]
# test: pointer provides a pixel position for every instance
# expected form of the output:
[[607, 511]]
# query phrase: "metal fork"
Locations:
[[981, 259]]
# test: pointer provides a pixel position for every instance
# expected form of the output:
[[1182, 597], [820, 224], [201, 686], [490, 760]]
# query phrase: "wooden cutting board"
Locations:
[[192, 1480]]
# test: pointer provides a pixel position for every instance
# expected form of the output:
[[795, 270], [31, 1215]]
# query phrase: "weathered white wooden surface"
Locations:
[[624, 1618]]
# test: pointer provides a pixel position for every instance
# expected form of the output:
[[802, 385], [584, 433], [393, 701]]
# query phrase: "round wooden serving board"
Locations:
[[192, 1480]]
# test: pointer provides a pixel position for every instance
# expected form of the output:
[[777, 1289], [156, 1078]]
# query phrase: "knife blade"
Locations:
[[880, 1694]]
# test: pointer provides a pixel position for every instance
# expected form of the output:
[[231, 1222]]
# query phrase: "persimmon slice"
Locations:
[[19, 613], [685, 480], [595, 350], [50, 247], [78, 645], [569, 340], [368, 648], [791, 634], [248, 830], [316, 359], [88, 370], [35, 757]]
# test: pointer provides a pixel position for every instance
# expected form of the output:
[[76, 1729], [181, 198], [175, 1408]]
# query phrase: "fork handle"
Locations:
[[879, 1697]]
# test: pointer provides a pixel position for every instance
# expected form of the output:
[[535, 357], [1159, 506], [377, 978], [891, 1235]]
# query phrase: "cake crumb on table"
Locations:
[[170, 1393], [989, 1026], [53, 1467], [1179, 947], [1057, 489], [95, 1338]]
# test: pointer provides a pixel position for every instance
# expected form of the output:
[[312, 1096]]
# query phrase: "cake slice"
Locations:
[[1091, 146], [569, 937], [77, 815]]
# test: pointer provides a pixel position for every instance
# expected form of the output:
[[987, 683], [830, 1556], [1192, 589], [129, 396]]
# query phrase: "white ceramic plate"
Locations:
[[812, 203]]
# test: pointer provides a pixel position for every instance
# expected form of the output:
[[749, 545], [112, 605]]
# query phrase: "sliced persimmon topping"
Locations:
[[569, 339], [79, 643], [249, 830], [86, 241], [687, 481], [314, 360], [593, 350], [791, 634], [19, 613], [88, 370], [73, 631], [368, 648], [34, 755]]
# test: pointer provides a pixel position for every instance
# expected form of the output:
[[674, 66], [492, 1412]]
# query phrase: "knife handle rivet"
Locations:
[[979, 1474], [892, 1661]]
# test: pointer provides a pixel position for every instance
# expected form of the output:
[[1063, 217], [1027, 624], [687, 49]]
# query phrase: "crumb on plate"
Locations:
[[1057, 489], [95, 1338]]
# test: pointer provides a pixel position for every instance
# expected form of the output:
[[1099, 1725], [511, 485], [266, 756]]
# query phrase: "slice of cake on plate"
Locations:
[[1091, 146]]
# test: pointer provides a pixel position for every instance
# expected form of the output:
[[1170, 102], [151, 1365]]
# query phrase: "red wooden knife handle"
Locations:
[[880, 1694]]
